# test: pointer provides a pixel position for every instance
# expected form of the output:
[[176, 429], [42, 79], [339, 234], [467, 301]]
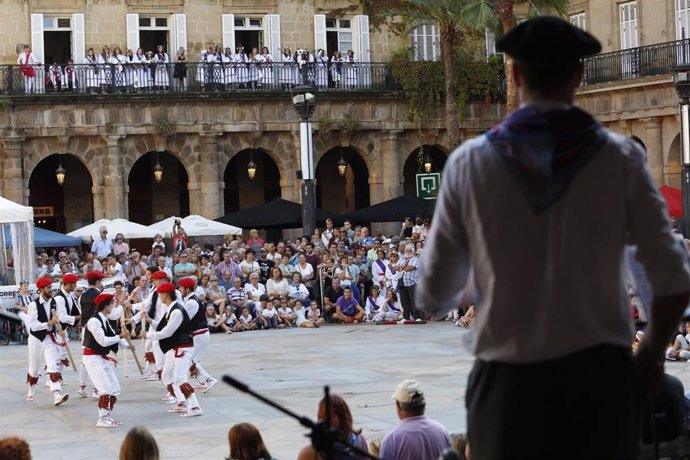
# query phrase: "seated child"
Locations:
[[245, 322], [259, 307], [228, 317], [391, 310], [214, 321], [285, 314], [270, 314], [314, 314]]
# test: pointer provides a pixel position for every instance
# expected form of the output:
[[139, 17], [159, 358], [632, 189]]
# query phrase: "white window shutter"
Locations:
[[179, 34], [272, 34], [78, 39], [37, 36], [133, 32], [360, 40], [490, 43], [320, 33], [229, 31]]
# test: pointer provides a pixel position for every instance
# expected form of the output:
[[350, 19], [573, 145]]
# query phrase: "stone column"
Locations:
[[113, 192], [655, 149], [390, 170], [13, 171], [211, 204]]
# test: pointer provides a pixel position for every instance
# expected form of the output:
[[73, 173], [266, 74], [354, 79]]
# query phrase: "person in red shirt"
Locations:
[[179, 237]]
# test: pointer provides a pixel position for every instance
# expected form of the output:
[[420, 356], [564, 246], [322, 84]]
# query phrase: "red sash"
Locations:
[[27, 70]]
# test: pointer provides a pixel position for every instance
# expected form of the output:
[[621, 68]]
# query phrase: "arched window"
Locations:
[[425, 42]]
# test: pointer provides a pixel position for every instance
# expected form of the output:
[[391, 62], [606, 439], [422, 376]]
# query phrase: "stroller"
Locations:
[[12, 327]]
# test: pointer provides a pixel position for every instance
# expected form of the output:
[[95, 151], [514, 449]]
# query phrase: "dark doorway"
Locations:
[[150, 39], [342, 194], [240, 191], [57, 46], [249, 39], [150, 201], [414, 166], [332, 43], [61, 208]]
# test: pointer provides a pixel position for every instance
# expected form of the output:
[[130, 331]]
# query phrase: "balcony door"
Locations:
[[683, 30], [629, 38]]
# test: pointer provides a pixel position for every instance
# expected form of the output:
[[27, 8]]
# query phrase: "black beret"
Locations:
[[547, 38]]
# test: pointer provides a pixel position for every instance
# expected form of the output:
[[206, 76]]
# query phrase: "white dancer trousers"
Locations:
[[102, 373], [177, 364], [200, 343], [50, 353]]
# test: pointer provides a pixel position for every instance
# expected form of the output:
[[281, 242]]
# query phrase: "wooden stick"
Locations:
[[131, 347], [62, 334], [124, 326]]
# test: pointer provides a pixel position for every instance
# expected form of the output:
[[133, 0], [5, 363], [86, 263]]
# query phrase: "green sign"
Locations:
[[428, 185]]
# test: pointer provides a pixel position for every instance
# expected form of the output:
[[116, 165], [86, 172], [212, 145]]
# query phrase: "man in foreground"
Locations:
[[553, 326]]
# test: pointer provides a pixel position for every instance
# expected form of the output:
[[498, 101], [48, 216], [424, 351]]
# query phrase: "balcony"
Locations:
[[635, 62], [194, 79]]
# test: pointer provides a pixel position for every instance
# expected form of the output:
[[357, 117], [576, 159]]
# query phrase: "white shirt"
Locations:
[[175, 319], [548, 284], [96, 328], [256, 292], [62, 310], [32, 312]]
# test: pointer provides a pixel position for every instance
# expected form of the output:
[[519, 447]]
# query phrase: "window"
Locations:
[[248, 23], [628, 25], [338, 35], [152, 23], [578, 20], [425, 43], [55, 23], [682, 19]]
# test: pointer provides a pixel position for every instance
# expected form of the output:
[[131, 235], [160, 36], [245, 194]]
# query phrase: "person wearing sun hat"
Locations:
[[576, 195], [200, 333], [417, 437], [99, 340], [174, 335], [43, 342]]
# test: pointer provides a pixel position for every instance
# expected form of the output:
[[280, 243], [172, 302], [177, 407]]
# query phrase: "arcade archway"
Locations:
[[61, 208], [242, 192], [414, 165], [150, 201], [342, 194]]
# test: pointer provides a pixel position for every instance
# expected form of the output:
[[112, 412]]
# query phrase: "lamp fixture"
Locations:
[[251, 166], [342, 164], [60, 173], [427, 163], [158, 170]]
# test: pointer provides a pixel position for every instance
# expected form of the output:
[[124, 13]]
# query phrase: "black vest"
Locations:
[[71, 311], [42, 318], [182, 336], [199, 320], [88, 304], [152, 308], [91, 343]]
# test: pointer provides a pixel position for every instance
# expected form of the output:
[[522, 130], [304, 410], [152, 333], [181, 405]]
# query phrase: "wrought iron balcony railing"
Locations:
[[193, 78], [635, 62]]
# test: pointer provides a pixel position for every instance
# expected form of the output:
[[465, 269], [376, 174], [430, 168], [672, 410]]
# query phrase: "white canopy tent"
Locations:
[[20, 220], [195, 226], [115, 226]]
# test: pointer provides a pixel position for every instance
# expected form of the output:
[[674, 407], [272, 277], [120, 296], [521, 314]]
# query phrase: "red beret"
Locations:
[[94, 275], [69, 278], [43, 282], [189, 283], [101, 298], [165, 288], [159, 275]]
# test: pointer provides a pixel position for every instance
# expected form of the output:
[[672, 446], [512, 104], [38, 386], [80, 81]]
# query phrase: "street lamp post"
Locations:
[[305, 103], [681, 80]]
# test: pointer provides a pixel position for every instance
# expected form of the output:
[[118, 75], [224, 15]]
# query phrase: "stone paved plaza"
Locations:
[[364, 363]]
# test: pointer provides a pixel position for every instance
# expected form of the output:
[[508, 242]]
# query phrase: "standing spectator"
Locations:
[[40, 269], [306, 270], [564, 254], [417, 437], [139, 444], [164, 266], [185, 268], [28, 64], [102, 246], [112, 267], [409, 266], [52, 270], [134, 267], [246, 443], [179, 234], [120, 246], [265, 266], [341, 420], [254, 241], [285, 265]]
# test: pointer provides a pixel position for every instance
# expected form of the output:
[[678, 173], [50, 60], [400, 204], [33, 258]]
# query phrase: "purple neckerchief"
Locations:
[[373, 302], [391, 268], [391, 306], [545, 149], [381, 265]]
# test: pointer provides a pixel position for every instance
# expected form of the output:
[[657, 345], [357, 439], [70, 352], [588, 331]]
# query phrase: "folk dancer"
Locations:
[[99, 340], [200, 332], [67, 311], [87, 302], [174, 333], [42, 342], [28, 66]]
